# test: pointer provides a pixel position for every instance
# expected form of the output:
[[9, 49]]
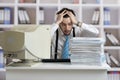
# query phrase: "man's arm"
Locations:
[[59, 19], [54, 27], [89, 30], [86, 30]]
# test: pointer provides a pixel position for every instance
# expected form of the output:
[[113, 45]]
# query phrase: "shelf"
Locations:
[[48, 1], [7, 5], [79, 7], [114, 69], [6, 26], [70, 5], [111, 5], [111, 1], [47, 5], [69, 1], [111, 27], [31, 12], [26, 5], [49, 18], [26, 1], [91, 5], [91, 1], [112, 47], [7, 1]]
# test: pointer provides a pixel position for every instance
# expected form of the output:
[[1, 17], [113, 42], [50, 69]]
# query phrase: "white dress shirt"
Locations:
[[84, 31]]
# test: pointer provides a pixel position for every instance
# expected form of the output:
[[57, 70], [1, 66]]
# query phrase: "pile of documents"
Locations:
[[86, 51]]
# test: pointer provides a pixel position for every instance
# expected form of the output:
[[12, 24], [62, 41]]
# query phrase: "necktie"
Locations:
[[65, 52]]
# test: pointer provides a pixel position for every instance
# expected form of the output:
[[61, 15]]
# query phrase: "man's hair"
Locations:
[[66, 16]]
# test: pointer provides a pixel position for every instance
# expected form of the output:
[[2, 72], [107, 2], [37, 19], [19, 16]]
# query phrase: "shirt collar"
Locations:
[[62, 34]]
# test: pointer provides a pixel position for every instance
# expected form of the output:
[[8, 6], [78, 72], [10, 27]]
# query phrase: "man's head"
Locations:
[[66, 24]]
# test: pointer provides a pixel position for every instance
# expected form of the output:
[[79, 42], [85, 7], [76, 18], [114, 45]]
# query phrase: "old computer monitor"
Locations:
[[27, 42]]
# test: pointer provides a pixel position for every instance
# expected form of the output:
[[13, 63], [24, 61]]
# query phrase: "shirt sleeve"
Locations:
[[89, 30], [54, 27]]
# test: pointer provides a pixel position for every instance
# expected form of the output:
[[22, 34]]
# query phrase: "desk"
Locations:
[[56, 71]]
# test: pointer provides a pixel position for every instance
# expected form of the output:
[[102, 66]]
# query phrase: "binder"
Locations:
[[115, 61], [23, 16], [7, 15], [108, 58], [106, 16], [41, 15], [26, 16], [19, 16], [96, 16], [110, 38], [1, 15], [115, 39]]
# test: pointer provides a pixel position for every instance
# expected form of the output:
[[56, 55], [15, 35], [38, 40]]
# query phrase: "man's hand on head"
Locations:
[[73, 18], [59, 18]]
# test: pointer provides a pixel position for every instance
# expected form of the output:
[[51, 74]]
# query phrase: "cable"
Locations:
[[16, 52], [39, 59]]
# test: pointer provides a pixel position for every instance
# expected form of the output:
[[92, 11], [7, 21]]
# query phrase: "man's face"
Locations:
[[66, 26]]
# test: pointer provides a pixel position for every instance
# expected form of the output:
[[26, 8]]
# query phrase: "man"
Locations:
[[66, 25]]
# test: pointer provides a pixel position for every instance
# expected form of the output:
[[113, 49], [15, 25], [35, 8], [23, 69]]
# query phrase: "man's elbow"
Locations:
[[87, 33]]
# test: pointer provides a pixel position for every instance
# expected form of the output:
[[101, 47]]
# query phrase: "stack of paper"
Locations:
[[86, 51]]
